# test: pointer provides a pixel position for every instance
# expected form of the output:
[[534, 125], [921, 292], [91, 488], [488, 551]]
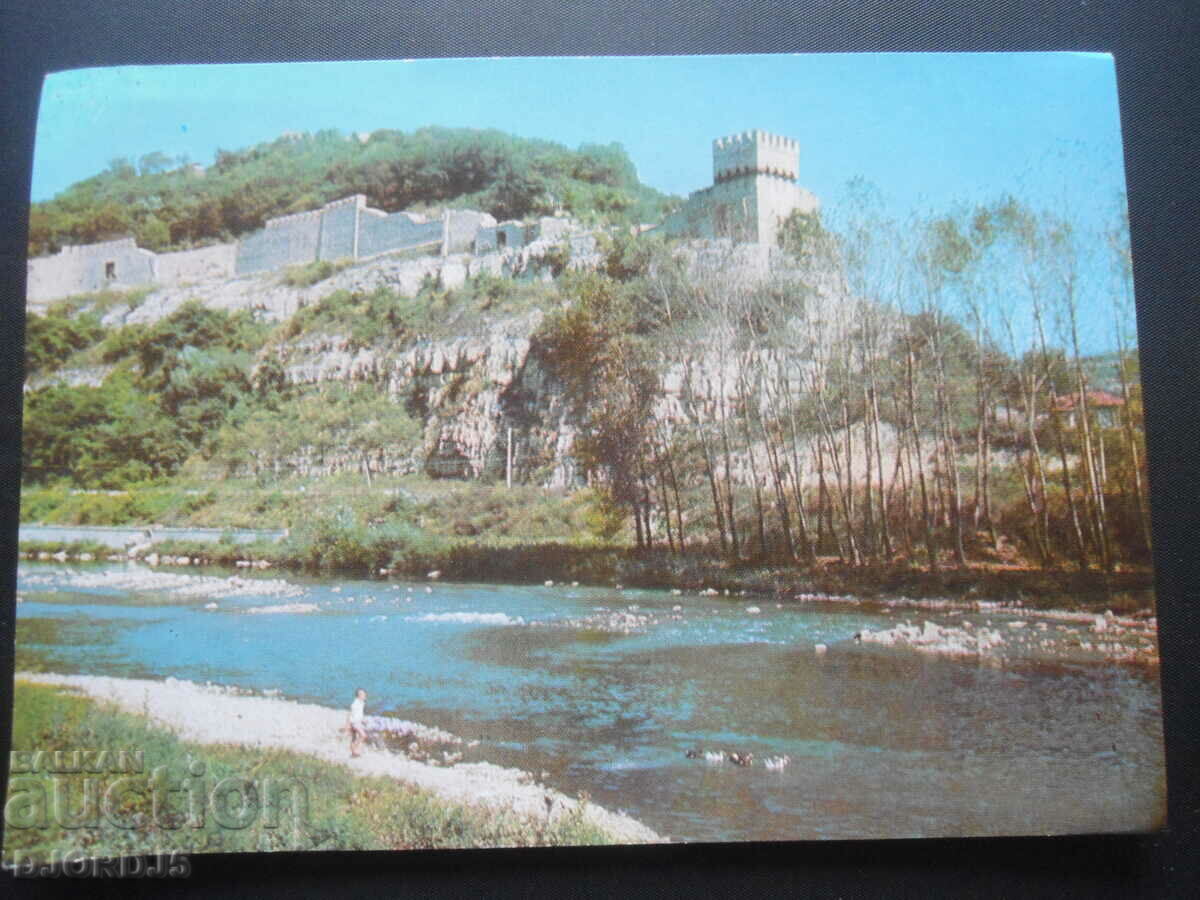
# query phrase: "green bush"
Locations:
[[341, 542], [50, 340], [311, 273]]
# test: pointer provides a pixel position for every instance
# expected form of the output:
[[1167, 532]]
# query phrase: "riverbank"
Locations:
[[1127, 591], [997, 631], [381, 800]]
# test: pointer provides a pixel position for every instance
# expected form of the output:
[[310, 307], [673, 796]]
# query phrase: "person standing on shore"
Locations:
[[358, 728]]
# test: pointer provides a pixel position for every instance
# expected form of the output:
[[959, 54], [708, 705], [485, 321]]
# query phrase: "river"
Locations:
[[605, 691]]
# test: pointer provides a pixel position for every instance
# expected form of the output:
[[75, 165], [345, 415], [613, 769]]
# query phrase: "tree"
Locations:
[[153, 163]]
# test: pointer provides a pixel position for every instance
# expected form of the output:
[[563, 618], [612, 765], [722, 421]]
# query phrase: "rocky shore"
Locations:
[[1041, 635], [212, 714], [896, 586]]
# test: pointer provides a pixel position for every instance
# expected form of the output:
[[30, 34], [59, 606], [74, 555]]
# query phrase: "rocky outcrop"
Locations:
[[91, 376], [473, 389], [273, 299], [482, 395]]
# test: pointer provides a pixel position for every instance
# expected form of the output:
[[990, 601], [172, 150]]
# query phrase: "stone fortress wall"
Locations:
[[754, 189], [191, 266], [82, 270], [342, 229]]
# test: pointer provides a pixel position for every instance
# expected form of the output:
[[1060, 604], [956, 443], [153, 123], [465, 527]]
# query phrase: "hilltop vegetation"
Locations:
[[167, 205]]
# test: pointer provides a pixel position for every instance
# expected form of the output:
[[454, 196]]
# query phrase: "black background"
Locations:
[[1158, 70]]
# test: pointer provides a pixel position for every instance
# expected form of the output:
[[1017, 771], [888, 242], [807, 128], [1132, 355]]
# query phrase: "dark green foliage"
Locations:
[[556, 259], [102, 437], [169, 206], [52, 338], [342, 542], [174, 384], [599, 348]]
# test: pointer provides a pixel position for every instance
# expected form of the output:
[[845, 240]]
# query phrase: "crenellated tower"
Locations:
[[754, 189], [755, 153]]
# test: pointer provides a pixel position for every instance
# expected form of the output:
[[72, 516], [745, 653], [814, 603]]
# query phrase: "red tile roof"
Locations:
[[1066, 403]]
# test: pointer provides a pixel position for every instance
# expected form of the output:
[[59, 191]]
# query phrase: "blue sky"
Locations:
[[931, 131]]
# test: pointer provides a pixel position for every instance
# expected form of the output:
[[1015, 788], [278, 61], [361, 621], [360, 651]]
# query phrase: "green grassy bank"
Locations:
[[485, 532], [344, 811]]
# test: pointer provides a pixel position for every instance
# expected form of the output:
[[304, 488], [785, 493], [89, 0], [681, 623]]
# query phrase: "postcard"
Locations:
[[525, 452]]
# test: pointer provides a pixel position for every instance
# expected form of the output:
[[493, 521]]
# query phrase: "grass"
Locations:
[[440, 507], [60, 505], [344, 811], [308, 274], [473, 531]]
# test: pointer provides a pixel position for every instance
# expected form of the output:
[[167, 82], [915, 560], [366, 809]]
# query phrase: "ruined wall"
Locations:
[[342, 229], [379, 232], [462, 225], [339, 228], [505, 236], [286, 241], [191, 266], [114, 265], [725, 210], [485, 240]]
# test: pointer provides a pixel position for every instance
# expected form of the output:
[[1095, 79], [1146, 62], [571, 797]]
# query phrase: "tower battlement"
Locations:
[[753, 192], [755, 153]]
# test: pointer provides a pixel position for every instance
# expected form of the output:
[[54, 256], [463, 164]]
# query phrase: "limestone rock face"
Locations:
[[474, 388], [482, 392], [267, 294]]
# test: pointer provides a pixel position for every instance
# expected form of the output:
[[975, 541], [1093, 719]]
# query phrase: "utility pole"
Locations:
[[509, 460]]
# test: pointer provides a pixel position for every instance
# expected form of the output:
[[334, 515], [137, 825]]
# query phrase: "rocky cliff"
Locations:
[[471, 390], [484, 400]]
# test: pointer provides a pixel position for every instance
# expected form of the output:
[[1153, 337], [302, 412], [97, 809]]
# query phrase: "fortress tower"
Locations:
[[754, 189]]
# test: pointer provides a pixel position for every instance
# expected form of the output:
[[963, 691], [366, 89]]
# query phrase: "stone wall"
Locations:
[[192, 266], [117, 265], [380, 233], [462, 225], [286, 241], [340, 228], [505, 236]]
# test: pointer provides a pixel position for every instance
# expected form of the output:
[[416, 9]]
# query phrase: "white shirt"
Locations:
[[356, 711]]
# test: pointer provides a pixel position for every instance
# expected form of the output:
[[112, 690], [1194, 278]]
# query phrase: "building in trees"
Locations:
[[1105, 408]]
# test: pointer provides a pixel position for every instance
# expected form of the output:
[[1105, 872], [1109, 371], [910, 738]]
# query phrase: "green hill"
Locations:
[[168, 204]]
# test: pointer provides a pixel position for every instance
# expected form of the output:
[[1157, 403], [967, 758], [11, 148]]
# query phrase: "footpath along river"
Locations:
[[605, 691]]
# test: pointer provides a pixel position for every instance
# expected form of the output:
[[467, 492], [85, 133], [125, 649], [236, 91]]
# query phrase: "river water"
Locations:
[[606, 690]]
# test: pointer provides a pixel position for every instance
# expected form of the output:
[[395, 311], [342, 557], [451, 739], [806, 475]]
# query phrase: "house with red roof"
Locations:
[[1104, 407]]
